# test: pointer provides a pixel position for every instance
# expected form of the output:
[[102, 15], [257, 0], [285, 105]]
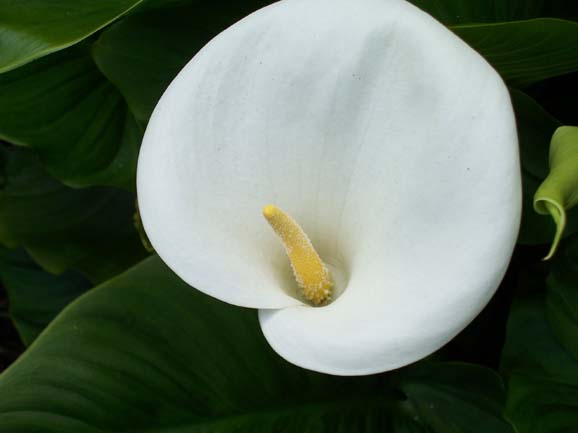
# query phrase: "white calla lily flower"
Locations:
[[390, 141]]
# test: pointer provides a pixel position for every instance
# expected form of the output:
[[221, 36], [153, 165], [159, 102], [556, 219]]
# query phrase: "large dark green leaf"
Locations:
[[542, 374], [35, 28], [563, 296], [524, 52], [63, 107], [142, 53], [35, 296], [541, 355], [455, 397], [487, 11], [147, 353], [89, 229]]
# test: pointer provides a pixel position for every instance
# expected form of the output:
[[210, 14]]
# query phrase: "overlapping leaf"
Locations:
[[89, 229], [65, 109], [144, 52], [542, 374], [563, 296], [147, 353], [524, 52], [35, 296], [35, 28], [540, 358], [455, 397], [158, 53], [486, 11]]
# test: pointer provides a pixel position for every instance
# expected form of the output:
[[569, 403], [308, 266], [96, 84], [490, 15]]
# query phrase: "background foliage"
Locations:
[[140, 351]]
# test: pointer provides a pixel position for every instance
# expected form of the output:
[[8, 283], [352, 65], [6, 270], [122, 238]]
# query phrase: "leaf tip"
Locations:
[[546, 206]]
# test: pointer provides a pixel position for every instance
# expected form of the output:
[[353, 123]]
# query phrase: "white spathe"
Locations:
[[385, 136]]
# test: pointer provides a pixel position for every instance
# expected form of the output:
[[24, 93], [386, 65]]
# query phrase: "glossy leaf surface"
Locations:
[[524, 52], [65, 109], [147, 353], [486, 11], [34, 28]]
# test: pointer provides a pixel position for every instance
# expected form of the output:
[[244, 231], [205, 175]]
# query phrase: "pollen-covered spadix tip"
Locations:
[[269, 211], [310, 272]]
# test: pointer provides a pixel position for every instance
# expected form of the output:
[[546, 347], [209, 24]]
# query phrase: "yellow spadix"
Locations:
[[310, 272]]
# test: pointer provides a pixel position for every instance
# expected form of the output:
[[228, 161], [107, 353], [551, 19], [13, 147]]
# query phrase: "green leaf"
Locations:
[[63, 107], [35, 296], [559, 191], [455, 397], [144, 352], [535, 129], [542, 375], [143, 53], [525, 52], [478, 11], [562, 300], [89, 229], [34, 28]]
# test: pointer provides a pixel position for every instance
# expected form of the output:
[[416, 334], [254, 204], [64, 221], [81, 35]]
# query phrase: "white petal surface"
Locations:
[[387, 138]]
